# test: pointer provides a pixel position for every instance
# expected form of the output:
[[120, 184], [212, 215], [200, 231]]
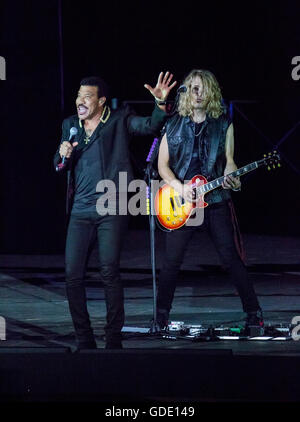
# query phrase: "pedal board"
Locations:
[[180, 330]]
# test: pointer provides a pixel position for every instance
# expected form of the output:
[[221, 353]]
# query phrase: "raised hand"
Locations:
[[163, 87]]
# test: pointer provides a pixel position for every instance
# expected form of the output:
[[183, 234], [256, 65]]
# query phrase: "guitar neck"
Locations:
[[214, 184]]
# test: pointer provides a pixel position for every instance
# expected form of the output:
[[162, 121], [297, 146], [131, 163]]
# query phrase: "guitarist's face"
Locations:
[[198, 94]]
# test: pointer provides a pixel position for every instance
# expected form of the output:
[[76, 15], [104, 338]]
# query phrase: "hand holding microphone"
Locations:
[[66, 149]]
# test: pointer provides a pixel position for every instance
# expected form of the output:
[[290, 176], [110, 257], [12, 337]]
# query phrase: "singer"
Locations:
[[99, 150], [199, 140]]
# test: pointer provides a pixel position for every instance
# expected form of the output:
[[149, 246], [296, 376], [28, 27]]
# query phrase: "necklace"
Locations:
[[89, 133], [102, 119], [87, 139], [201, 125]]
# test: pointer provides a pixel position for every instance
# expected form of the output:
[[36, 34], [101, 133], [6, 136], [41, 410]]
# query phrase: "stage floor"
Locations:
[[33, 301]]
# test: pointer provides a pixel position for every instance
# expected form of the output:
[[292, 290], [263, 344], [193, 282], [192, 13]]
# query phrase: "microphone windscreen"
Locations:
[[73, 131]]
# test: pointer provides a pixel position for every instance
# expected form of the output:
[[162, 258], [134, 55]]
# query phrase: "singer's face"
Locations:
[[198, 93], [87, 102]]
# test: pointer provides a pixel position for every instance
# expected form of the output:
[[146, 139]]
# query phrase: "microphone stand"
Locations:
[[150, 174]]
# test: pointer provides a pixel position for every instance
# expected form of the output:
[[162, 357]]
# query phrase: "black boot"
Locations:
[[113, 345], [85, 345], [161, 321], [254, 322], [113, 340]]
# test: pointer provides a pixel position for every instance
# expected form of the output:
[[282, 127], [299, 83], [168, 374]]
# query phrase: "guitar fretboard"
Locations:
[[209, 186]]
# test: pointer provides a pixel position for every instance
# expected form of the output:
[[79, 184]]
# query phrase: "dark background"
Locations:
[[49, 46]]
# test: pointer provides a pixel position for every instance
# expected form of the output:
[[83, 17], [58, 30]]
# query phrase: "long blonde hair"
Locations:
[[213, 101]]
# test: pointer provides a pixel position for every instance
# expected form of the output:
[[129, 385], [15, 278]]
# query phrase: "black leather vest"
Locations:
[[180, 133]]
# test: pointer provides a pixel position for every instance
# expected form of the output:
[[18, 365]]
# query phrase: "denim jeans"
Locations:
[[83, 230], [218, 221]]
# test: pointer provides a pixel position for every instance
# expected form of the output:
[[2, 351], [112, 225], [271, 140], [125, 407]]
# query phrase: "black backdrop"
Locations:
[[249, 46]]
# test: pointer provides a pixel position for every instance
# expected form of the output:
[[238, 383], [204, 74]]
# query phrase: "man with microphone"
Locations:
[[94, 147]]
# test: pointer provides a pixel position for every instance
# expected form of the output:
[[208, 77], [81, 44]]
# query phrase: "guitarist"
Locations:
[[199, 139]]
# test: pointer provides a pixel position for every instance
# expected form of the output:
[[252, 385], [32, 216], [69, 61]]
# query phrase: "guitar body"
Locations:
[[171, 210]]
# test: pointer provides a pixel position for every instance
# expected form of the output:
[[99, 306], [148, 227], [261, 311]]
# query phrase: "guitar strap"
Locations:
[[237, 234]]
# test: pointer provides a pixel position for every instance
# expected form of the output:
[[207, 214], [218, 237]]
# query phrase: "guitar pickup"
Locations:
[[172, 203], [179, 201]]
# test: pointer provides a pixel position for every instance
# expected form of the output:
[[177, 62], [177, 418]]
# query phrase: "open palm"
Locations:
[[163, 87]]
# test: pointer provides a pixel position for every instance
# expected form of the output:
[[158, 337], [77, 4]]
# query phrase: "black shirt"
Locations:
[[87, 173], [199, 155]]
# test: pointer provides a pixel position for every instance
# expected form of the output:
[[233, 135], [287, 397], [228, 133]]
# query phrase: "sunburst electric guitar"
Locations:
[[172, 211]]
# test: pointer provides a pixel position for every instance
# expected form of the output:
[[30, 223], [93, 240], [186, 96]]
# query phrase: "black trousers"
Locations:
[[218, 221], [83, 230]]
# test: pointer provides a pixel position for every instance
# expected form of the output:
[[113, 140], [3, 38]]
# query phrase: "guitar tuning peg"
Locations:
[[274, 166], [269, 168], [278, 165], [265, 155]]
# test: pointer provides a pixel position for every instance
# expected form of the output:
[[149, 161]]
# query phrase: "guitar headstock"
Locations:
[[272, 160]]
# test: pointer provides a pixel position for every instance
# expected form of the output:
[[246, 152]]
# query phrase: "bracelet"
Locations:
[[160, 102], [236, 190]]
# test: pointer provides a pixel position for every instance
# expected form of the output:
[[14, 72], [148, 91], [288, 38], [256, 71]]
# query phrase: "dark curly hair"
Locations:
[[103, 88]]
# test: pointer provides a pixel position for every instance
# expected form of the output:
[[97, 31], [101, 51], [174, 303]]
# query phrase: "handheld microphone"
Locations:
[[182, 88], [62, 164]]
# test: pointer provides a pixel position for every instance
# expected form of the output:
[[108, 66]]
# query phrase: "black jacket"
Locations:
[[113, 138]]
